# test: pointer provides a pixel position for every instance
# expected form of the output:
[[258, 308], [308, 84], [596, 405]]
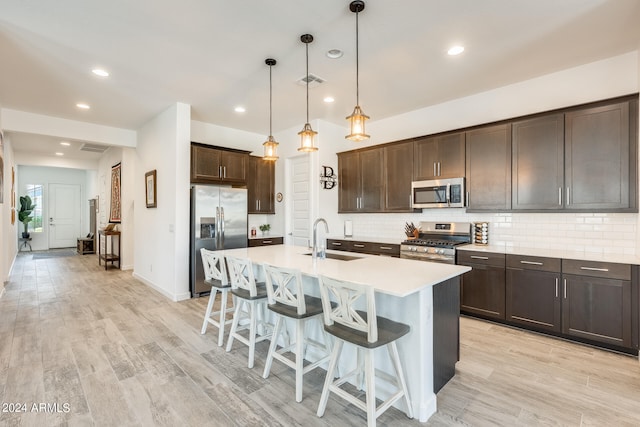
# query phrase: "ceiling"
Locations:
[[210, 54]]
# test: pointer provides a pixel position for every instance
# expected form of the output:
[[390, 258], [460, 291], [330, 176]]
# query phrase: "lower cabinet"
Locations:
[[533, 292], [597, 304], [482, 290], [592, 302], [265, 241], [372, 248]]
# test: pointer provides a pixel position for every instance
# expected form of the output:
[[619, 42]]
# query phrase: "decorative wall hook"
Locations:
[[328, 179]]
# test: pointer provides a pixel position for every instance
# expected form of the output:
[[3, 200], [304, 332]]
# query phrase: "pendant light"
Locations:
[[357, 118], [270, 145], [307, 135]]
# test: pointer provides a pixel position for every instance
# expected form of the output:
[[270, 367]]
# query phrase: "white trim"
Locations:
[[172, 297]]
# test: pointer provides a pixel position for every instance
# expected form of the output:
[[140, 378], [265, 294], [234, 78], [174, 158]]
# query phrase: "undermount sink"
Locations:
[[340, 257]]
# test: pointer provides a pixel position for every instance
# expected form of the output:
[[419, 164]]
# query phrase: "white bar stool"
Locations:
[[367, 332], [288, 301], [251, 297], [215, 274]]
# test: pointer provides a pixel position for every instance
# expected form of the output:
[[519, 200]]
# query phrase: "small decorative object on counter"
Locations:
[[265, 229], [481, 233], [411, 231], [253, 232]]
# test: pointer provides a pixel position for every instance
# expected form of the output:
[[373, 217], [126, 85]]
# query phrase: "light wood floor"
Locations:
[[118, 353]]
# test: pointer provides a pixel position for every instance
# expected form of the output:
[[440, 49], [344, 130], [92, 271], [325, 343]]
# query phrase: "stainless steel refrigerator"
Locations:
[[218, 221]]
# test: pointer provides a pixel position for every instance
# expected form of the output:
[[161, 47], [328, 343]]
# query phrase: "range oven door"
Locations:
[[441, 193], [444, 259]]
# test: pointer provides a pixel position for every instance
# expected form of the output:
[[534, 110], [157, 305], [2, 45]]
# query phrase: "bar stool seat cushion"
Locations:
[[388, 331], [217, 283], [261, 292], [313, 304]]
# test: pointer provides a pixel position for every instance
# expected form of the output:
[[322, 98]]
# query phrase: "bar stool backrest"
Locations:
[[241, 274], [284, 286], [345, 295], [214, 266]]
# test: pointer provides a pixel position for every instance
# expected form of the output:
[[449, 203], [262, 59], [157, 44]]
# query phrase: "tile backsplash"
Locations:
[[608, 233]]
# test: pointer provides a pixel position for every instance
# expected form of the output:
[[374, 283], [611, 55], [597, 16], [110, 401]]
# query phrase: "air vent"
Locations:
[[313, 80], [94, 148]]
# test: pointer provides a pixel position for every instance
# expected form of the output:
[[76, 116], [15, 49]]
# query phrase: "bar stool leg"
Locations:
[[273, 347], [335, 356], [370, 398], [223, 316], [207, 315], [234, 324], [252, 332], [299, 358], [395, 359]]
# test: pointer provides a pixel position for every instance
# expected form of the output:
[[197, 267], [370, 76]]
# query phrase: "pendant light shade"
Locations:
[[270, 145], [307, 134], [357, 119]]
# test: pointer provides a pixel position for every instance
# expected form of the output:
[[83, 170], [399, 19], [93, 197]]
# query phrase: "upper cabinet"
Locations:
[[398, 159], [489, 168], [214, 165], [260, 186], [538, 163], [441, 156], [360, 182], [600, 160]]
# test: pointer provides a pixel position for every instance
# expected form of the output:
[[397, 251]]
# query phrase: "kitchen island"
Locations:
[[423, 295]]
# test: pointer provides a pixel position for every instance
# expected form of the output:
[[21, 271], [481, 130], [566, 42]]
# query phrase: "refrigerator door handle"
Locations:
[[217, 230], [221, 228]]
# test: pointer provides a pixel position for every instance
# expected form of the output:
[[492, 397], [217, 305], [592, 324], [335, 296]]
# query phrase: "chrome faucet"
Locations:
[[314, 250]]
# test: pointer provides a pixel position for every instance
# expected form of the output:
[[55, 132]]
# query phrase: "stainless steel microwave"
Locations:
[[438, 193]]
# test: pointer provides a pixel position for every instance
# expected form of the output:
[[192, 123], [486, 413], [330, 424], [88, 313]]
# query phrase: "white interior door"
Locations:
[[64, 215], [300, 204]]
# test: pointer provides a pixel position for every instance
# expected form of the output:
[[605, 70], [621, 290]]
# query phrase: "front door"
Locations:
[[64, 215]]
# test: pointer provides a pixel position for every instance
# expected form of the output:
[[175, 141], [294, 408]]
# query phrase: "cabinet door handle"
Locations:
[[568, 195], [556, 287], [336, 243], [266, 242], [224, 170], [559, 196], [565, 288], [467, 204], [219, 171], [439, 169], [386, 248], [479, 257], [531, 262], [358, 246], [435, 170], [594, 269]]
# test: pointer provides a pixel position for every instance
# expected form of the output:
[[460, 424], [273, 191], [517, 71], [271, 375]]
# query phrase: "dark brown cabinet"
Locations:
[[398, 160], [441, 156], [215, 165], [361, 182], [597, 303], [482, 290], [533, 292], [265, 241], [600, 169], [488, 152], [260, 186], [372, 248], [538, 163]]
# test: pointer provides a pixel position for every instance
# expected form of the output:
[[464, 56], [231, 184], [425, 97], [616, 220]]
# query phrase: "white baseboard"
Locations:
[[172, 297]]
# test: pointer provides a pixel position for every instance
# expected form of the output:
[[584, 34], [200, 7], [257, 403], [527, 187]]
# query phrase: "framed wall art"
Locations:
[[150, 189], [115, 214]]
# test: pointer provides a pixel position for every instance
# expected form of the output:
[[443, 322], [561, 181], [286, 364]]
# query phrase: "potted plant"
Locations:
[[265, 229], [24, 214]]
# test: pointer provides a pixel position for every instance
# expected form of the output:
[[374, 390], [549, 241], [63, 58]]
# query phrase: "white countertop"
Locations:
[[553, 253], [393, 276]]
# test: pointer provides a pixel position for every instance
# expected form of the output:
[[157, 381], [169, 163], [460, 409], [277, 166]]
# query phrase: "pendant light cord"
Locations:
[[270, 102], [307, 49], [357, 63]]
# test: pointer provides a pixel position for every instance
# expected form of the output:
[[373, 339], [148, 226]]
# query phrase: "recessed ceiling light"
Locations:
[[329, 99], [455, 50], [59, 154], [100, 72], [65, 143], [239, 109], [83, 106], [334, 53]]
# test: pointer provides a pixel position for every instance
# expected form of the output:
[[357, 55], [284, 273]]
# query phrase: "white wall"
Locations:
[[8, 241], [162, 233], [43, 175], [602, 233]]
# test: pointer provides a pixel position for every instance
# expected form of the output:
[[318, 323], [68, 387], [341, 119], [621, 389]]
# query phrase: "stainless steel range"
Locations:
[[437, 242]]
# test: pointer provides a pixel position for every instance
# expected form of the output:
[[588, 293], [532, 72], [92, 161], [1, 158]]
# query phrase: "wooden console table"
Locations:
[[109, 255]]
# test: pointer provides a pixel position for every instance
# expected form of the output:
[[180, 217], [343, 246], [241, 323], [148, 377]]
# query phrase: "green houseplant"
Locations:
[[265, 228], [24, 214]]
